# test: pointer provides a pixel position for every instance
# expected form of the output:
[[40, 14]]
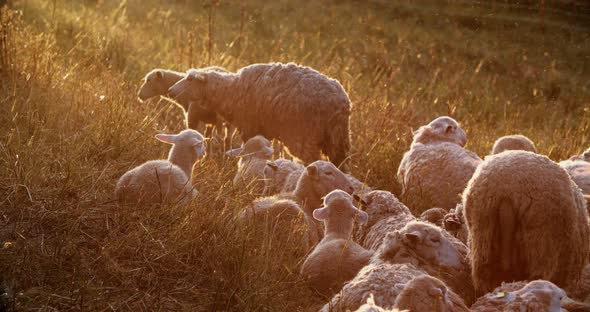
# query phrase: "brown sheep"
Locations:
[[526, 220]]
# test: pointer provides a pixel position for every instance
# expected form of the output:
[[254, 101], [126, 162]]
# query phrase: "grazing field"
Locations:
[[71, 125]]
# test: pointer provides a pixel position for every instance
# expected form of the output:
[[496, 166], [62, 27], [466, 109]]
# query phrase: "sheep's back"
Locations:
[[436, 175]]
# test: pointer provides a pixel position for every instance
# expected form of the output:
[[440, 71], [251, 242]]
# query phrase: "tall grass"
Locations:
[[70, 125]]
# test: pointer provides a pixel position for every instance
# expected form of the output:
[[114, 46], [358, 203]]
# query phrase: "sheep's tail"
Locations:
[[337, 140]]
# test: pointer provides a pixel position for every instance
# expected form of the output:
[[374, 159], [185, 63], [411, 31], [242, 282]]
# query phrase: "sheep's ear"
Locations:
[[320, 214], [435, 292], [449, 129], [414, 237], [363, 217], [272, 165], [159, 74], [166, 138], [236, 152], [313, 172]]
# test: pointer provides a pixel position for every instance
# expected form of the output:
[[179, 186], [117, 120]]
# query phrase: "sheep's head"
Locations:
[[454, 221], [427, 293], [442, 129], [324, 177], [188, 142], [258, 146], [420, 242], [338, 207], [190, 89], [154, 84], [513, 142]]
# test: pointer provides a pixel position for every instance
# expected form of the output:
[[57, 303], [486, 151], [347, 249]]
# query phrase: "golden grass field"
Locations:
[[71, 125]]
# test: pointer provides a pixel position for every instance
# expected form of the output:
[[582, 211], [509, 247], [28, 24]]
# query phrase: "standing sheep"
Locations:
[[164, 181], [252, 162], [417, 249], [158, 81], [336, 259], [435, 171], [538, 295], [297, 105], [526, 220], [513, 143]]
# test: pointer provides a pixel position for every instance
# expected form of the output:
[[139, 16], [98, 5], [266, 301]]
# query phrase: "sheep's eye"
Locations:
[[328, 172], [435, 239]]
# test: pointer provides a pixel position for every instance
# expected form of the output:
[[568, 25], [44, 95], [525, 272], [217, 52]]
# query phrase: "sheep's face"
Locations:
[[258, 146], [454, 221], [442, 129], [325, 177], [190, 88], [154, 84], [338, 206], [189, 141], [424, 293]]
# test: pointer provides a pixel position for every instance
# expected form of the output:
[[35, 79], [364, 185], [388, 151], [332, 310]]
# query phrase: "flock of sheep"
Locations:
[[509, 232]]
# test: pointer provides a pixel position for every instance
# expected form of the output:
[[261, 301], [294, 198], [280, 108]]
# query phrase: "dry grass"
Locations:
[[70, 125]]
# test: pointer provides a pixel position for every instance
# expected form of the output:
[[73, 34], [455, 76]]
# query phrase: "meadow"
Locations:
[[71, 125]]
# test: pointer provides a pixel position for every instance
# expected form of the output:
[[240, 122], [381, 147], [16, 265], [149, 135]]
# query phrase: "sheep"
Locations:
[[454, 223], [579, 171], [427, 293], [513, 142], [336, 259], [436, 169], [386, 214], [253, 156], [526, 220], [318, 179], [537, 295], [164, 181], [434, 216], [417, 249], [158, 81], [297, 105], [281, 176]]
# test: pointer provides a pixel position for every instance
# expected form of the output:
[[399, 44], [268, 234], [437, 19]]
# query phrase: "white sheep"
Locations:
[[526, 219], [417, 249], [253, 157], [297, 105], [158, 81], [336, 259], [427, 293], [513, 143], [386, 214], [579, 171], [436, 169], [281, 176], [164, 181], [318, 179], [538, 295]]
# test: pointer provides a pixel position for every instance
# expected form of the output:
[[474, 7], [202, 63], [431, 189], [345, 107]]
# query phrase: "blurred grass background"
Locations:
[[70, 125]]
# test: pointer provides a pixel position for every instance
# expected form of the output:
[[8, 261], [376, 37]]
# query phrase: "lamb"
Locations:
[[386, 214], [417, 249], [317, 180], [526, 220], [436, 169], [512, 143], [164, 181], [297, 105], [158, 81], [538, 295], [336, 259], [253, 156]]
